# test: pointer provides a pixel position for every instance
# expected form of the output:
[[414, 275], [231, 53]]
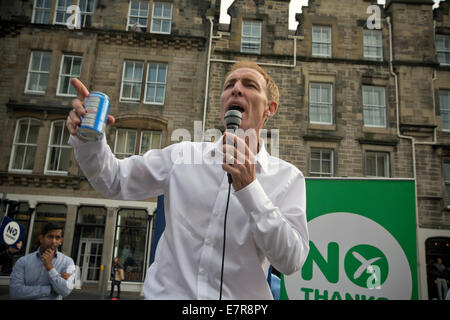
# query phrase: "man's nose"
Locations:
[[237, 89]]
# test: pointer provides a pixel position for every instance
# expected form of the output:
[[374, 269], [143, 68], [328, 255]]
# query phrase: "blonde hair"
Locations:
[[272, 89]]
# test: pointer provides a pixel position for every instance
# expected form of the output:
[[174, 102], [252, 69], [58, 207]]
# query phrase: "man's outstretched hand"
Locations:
[[74, 117]]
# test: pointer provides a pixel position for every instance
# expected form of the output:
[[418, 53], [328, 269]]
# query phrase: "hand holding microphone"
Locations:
[[239, 160]]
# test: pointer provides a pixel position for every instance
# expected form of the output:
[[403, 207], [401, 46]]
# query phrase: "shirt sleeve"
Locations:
[[132, 178], [62, 286], [17, 287], [279, 231]]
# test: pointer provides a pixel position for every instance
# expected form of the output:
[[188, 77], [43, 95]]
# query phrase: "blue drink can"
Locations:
[[92, 126]]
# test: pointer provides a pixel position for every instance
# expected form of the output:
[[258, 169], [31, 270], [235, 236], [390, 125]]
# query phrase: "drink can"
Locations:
[[92, 126]]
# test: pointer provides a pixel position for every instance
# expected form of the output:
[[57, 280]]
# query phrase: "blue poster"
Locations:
[[11, 232]]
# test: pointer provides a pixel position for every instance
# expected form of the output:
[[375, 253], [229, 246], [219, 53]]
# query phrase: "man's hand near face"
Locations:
[[47, 258]]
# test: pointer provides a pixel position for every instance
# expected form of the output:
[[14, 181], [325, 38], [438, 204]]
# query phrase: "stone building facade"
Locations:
[[364, 92]]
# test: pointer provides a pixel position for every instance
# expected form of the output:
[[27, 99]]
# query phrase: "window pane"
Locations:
[[29, 157], [160, 94], [121, 140], [19, 155], [447, 171], [43, 79], [162, 74], [156, 140], [131, 144], [35, 61], [126, 92], [34, 130], [157, 10], [152, 73], [76, 68], [64, 160], [371, 165], [165, 26], [33, 81]]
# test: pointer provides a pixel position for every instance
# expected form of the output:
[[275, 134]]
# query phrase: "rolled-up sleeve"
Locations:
[[62, 286], [280, 230]]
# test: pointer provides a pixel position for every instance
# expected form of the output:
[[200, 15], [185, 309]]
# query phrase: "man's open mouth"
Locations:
[[236, 107]]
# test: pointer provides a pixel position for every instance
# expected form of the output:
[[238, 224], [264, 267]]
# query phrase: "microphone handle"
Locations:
[[230, 178]]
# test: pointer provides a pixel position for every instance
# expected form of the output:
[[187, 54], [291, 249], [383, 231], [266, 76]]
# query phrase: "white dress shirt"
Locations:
[[266, 221]]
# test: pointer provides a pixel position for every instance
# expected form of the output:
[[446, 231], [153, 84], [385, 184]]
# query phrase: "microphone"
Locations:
[[233, 119]]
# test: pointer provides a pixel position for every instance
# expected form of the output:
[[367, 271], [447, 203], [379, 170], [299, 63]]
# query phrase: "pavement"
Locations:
[[85, 293]]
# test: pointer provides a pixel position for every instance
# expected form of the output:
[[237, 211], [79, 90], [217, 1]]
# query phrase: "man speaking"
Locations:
[[218, 241]]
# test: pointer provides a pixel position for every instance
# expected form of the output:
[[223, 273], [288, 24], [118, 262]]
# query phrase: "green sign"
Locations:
[[362, 242]]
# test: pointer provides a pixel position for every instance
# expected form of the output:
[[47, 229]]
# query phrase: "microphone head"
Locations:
[[233, 119]]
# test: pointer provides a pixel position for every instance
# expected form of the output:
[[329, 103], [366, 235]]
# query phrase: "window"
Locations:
[[156, 83], [130, 242], [41, 11], [251, 37], [24, 146], [38, 69], [447, 179], [131, 81], [149, 140], [70, 68], [125, 143], [321, 162], [138, 15], [321, 41], [61, 14], [320, 103], [162, 17], [373, 45], [444, 103], [374, 106], [377, 164], [59, 151], [443, 49], [87, 12]]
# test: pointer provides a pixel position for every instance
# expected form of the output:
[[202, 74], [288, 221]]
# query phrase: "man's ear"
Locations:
[[273, 107]]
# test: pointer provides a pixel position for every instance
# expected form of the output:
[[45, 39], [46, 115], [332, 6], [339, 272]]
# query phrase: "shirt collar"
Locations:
[[262, 158], [38, 253]]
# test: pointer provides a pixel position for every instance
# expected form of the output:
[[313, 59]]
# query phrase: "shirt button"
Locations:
[[208, 242], [201, 271]]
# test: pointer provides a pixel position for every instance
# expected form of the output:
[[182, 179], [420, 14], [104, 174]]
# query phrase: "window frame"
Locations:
[[65, 14], [40, 10], [328, 104], [156, 84], [445, 161], [378, 35], [62, 145], [366, 107], [26, 144], [129, 25], [84, 13], [252, 24], [150, 131], [39, 72], [162, 18], [322, 43], [125, 154], [444, 50], [385, 154], [133, 82], [321, 173], [444, 109], [60, 75]]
